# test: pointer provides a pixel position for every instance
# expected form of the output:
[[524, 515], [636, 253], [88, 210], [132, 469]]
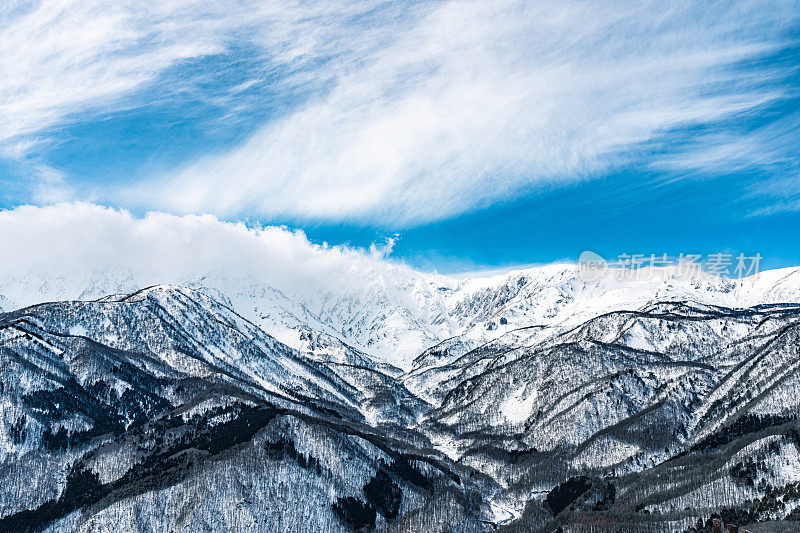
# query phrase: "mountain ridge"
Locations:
[[398, 313], [570, 412]]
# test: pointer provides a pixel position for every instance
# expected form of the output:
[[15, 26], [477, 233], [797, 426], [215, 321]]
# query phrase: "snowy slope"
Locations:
[[166, 410], [393, 313], [518, 392]]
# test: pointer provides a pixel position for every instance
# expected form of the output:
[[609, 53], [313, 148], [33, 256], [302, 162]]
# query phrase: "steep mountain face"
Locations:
[[528, 401], [394, 313], [391, 314], [620, 396], [159, 409]]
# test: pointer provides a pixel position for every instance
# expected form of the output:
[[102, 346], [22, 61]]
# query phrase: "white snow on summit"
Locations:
[[394, 313]]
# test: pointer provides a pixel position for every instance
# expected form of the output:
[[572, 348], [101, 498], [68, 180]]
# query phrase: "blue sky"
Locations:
[[477, 134]]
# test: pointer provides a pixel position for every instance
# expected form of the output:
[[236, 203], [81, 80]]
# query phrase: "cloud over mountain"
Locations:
[[76, 242]]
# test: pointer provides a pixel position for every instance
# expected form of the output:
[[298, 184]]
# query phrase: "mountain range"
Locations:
[[395, 400]]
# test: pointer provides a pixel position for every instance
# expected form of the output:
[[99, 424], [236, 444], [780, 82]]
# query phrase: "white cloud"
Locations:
[[56, 252], [67, 61], [49, 185], [766, 158], [418, 110], [61, 58], [480, 101]]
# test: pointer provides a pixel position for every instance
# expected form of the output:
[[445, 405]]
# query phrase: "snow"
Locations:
[[518, 407], [393, 313], [78, 330], [570, 377]]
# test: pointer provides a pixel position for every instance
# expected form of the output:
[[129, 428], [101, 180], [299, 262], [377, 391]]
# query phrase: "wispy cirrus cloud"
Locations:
[[65, 56], [62, 58], [401, 112], [478, 102], [68, 62]]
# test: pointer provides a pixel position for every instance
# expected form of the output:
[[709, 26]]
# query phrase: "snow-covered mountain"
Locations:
[[156, 410], [397, 400], [394, 313]]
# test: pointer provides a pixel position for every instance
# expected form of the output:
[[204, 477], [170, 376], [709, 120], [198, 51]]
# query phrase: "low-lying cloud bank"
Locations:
[[57, 251]]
